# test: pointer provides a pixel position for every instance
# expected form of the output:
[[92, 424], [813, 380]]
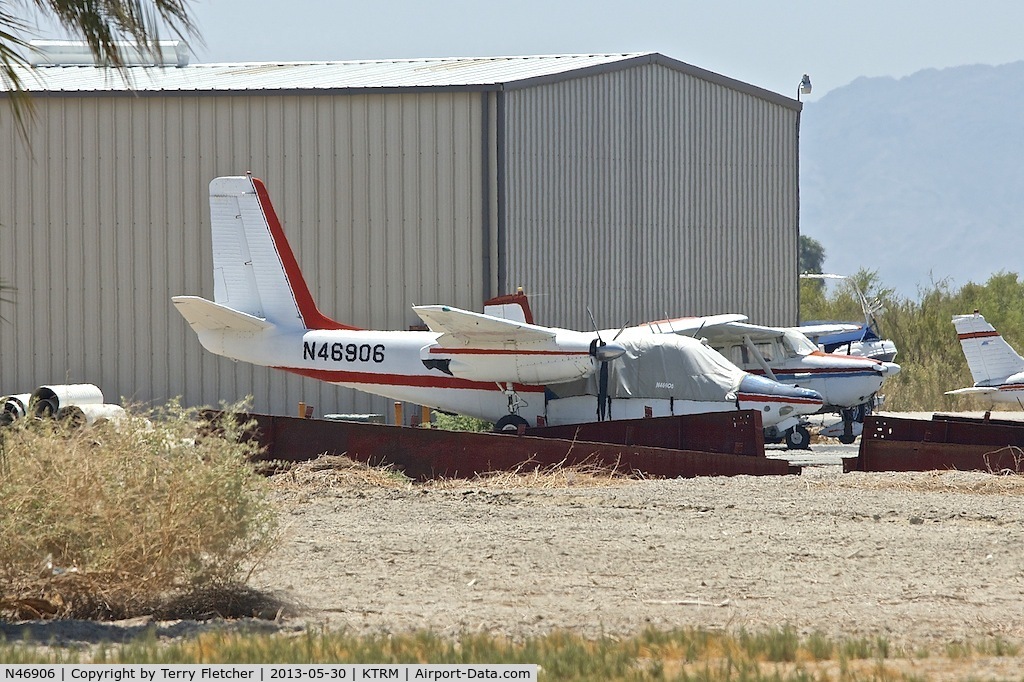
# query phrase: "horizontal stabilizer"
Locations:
[[465, 328], [206, 315]]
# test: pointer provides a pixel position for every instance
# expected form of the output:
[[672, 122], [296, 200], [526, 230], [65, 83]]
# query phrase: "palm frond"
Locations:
[[11, 47], [101, 24]]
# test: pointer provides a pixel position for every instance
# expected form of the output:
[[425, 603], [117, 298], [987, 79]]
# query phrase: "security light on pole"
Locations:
[[805, 87]]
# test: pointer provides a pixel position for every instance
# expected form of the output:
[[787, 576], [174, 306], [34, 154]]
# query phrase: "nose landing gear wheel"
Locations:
[[798, 438], [510, 423]]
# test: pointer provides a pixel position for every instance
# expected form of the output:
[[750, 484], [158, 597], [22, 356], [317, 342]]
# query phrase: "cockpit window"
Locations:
[[797, 344], [766, 349], [736, 354]]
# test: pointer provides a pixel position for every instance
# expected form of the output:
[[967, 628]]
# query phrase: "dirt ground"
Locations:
[[921, 559]]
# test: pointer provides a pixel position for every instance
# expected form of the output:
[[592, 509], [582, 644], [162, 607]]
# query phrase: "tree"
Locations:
[[100, 23], [812, 255]]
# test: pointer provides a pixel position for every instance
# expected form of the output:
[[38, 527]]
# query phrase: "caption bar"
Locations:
[[261, 673]]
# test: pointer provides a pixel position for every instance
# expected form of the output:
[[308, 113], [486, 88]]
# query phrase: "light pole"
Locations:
[[804, 88]]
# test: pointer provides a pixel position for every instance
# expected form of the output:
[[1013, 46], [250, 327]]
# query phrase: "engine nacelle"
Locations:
[[535, 368]]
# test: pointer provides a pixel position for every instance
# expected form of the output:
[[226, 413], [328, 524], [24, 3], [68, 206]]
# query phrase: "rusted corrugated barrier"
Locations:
[[944, 442], [734, 433], [424, 454]]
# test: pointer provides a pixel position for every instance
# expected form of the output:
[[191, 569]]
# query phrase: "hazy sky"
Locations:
[[767, 43], [763, 42]]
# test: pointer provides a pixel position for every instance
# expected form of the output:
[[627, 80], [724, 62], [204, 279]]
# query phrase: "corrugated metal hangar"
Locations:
[[634, 184]]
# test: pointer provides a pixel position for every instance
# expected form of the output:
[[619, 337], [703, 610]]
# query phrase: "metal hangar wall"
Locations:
[[653, 190], [634, 184]]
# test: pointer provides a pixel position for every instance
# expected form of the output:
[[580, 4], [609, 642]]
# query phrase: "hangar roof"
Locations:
[[473, 73]]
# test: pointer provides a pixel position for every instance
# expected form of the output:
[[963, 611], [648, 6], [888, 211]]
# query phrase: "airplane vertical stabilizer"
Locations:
[[990, 359], [255, 271]]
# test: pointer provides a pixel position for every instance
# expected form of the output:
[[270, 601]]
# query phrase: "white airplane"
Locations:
[[847, 338], [486, 366], [847, 384], [997, 369]]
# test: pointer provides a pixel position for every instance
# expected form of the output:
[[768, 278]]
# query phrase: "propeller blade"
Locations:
[[594, 323], [602, 392]]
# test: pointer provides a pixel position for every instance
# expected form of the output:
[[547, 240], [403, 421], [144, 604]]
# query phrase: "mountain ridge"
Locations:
[[920, 178]]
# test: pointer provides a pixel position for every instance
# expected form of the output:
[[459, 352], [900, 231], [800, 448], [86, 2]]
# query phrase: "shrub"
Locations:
[[120, 520], [459, 422], [929, 353]]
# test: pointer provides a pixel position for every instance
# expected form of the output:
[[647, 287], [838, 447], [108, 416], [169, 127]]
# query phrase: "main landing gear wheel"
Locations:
[[851, 416], [510, 423], [798, 438]]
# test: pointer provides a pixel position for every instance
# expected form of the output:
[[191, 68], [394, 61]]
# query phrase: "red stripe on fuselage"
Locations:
[[440, 350], [418, 381], [977, 335], [813, 370], [311, 315]]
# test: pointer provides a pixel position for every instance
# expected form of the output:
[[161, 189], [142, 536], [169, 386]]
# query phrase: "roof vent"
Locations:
[[77, 53]]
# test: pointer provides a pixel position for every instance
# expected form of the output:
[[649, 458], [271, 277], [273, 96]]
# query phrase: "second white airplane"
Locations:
[[848, 384], [503, 370], [997, 369]]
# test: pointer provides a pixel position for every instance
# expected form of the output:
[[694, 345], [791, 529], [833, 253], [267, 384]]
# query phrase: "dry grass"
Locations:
[[115, 521], [329, 472], [966, 482], [339, 472], [555, 476], [335, 472]]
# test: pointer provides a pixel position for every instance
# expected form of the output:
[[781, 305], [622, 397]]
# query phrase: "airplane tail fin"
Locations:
[[514, 307], [989, 357], [255, 271]]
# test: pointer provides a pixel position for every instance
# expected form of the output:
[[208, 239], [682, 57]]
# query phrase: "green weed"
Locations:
[[690, 654], [930, 355], [458, 422]]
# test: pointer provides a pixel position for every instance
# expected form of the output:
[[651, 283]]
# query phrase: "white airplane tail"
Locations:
[[989, 357], [254, 270]]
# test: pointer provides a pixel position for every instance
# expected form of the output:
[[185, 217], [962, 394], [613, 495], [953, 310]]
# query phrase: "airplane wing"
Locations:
[[826, 328], [974, 390], [685, 326], [737, 330], [721, 328], [465, 328], [206, 315], [715, 328]]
